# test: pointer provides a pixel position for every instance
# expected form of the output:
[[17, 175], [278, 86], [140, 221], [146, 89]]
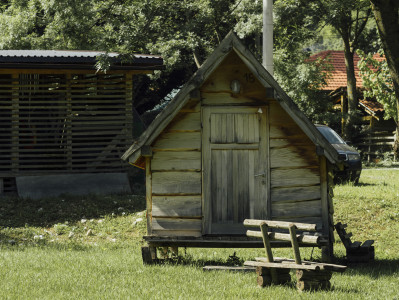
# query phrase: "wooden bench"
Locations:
[[355, 251], [274, 270]]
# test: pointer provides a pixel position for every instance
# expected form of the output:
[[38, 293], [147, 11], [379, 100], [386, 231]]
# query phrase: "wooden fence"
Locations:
[[64, 123]]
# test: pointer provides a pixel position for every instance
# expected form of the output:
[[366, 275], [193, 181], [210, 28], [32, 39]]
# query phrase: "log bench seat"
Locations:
[[275, 270]]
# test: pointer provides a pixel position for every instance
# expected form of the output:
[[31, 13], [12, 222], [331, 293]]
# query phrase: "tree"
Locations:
[[386, 13]]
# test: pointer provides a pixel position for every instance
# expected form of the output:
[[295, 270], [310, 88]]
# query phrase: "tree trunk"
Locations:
[[351, 90], [387, 19]]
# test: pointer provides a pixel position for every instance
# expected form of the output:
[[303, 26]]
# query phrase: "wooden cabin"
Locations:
[[59, 116], [232, 145]]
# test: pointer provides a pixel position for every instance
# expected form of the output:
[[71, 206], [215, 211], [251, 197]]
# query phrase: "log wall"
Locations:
[[64, 123], [295, 171], [176, 207]]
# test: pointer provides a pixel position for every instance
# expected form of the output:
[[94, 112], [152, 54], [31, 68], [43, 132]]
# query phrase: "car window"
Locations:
[[331, 135]]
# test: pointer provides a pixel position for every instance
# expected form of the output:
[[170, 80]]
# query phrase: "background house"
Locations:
[[377, 135], [64, 126]]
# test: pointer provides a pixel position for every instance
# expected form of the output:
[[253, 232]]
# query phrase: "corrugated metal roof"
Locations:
[[337, 76], [73, 57]]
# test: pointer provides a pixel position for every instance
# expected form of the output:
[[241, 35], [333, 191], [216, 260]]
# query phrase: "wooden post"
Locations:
[[295, 246], [129, 105], [266, 241], [69, 121], [148, 187], [15, 123]]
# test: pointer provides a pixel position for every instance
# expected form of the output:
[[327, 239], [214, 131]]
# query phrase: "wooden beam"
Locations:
[[280, 224]]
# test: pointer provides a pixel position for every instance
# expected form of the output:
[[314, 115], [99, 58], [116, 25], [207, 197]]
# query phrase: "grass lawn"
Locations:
[[89, 248]]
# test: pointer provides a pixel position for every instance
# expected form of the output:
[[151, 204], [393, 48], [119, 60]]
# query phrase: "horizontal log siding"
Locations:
[[64, 123], [295, 171], [176, 176]]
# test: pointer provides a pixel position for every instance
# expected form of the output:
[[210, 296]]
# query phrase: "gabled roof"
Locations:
[[229, 44], [337, 76], [76, 59]]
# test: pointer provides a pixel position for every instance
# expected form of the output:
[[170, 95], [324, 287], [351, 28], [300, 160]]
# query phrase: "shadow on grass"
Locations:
[[16, 212], [377, 268]]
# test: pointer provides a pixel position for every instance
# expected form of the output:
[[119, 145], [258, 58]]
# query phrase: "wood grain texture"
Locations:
[[291, 194], [185, 122], [178, 141], [311, 208], [176, 224], [181, 160], [298, 156], [176, 183], [175, 206], [294, 177], [177, 233]]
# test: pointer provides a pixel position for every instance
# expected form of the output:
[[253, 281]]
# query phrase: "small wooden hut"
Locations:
[[59, 116], [232, 145]]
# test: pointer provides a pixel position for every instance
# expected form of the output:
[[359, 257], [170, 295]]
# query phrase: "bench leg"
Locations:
[[282, 276], [313, 280]]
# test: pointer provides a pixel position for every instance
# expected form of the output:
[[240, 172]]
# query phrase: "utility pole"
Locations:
[[267, 48]]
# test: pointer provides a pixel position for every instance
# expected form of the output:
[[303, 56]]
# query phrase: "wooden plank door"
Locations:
[[236, 172]]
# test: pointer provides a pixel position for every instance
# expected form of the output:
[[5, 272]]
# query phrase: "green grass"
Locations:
[[89, 248]]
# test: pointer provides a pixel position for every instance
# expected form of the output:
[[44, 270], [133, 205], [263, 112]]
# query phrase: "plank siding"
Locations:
[[176, 206], [176, 161], [176, 177], [178, 141], [296, 191], [64, 122]]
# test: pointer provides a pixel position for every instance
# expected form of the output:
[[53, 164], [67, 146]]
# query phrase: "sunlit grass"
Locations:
[[92, 251]]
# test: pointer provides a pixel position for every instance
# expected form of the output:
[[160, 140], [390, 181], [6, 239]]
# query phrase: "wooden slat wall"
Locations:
[[176, 176], [295, 171], [64, 123]]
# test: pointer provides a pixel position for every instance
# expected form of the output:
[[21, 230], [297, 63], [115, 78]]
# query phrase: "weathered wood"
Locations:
[[313, 285], [294, 177], [292, 194], [367, 244], [176, 206], [266, 280], [312, 208], [146, 256], [294, 242], [148, 194], [284, 265], [301, 238], [293, 156], [185, 122], [178, 161], [266, 241], [170, 234], [233, 188], [266, 271], [279, 224], [178, 141], [229, 268], [176, 183], [313, 275], [170, 224], [326, 266]]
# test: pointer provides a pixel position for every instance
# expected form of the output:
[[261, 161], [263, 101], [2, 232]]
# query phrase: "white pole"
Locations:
[[268, 35]]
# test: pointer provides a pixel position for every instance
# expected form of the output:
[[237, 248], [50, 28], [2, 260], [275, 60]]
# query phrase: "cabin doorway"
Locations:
[[235, 165]]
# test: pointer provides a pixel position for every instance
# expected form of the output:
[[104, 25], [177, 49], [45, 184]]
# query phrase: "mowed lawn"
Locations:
[[89, 248]]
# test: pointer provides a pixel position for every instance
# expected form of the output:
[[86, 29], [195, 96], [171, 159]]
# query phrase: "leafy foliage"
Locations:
[[378, 82]]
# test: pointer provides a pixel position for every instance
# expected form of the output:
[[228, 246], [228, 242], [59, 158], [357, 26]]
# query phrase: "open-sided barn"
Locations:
[[59, 116], [232, 145]]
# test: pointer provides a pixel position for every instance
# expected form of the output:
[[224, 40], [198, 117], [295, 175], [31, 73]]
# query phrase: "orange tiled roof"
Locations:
[[337, 76], [372, 105]]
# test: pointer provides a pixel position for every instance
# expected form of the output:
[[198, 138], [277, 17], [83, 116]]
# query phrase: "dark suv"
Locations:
[[351, 158]]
